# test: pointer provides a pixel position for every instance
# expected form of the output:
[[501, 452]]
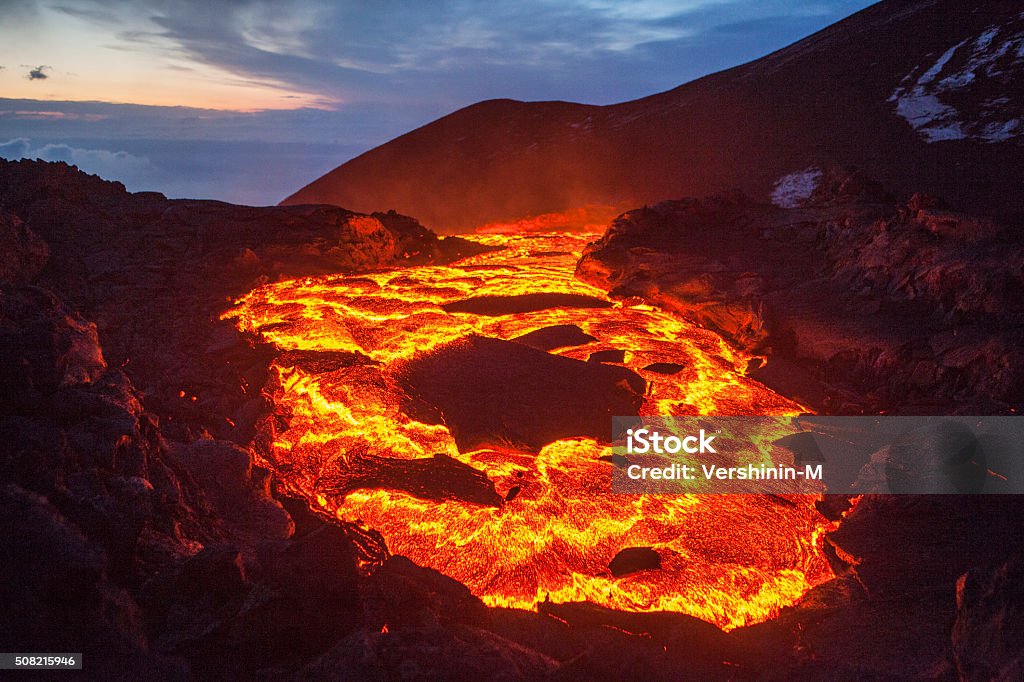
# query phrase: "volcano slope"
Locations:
[[923, 95]]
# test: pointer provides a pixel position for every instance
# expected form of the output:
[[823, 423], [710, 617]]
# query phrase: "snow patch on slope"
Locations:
[[795, 188], [948, 100]]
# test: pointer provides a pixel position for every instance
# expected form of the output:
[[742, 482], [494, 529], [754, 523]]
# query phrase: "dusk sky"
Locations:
[[246, 101]]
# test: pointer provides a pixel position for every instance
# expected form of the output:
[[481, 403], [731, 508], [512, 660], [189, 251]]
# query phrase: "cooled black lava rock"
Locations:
[[803, 446], [493, 393], [988, 635], [633, 560], [613, 355], [909, 306], [936, 458], [664, 368], [556, 336], [22, 253], [435, 478]]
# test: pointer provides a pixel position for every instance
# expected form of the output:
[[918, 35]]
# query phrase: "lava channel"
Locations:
[[520, 525]]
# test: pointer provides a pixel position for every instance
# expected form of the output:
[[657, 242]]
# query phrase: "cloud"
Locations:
[[15, 149], [108, 164], [243, 172], [38, 73], [448, 53]]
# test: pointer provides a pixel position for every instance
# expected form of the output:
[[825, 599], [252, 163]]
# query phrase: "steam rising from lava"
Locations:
[[728, 559]]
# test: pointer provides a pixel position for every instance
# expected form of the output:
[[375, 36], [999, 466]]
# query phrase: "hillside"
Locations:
[[921, 94]]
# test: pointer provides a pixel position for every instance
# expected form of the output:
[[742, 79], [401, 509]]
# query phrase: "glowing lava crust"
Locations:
[[728, 559]]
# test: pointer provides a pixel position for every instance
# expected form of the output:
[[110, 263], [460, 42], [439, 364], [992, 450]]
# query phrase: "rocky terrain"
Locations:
[[923, 95], [154, 275], [135, 528], [859, 303]]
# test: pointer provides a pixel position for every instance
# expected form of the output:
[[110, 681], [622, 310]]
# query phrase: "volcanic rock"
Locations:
[[691, 639], [300, 598], [556, 336], [429, 653], [857, 302], [322, 361], [429, 478], [890, 614], [57, 594], [126, 538], [155, 275], [664, 368], [634, 559], [216, 572], [612, 355], [941, 458], [402, 594], [988, 635], [238, 492], [45, 346], [493, 393], [22, 253], [803, 445]]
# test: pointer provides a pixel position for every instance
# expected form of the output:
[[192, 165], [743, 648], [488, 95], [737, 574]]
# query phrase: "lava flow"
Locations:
[[728, 559]]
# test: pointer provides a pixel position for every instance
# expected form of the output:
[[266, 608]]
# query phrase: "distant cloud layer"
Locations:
[[102, 162], [242, 172]]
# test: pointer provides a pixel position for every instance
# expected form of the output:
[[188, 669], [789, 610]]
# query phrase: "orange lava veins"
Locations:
[[728, 559]]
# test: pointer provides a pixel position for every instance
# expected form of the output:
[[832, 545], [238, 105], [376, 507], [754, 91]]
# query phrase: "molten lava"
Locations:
[[728, 559]]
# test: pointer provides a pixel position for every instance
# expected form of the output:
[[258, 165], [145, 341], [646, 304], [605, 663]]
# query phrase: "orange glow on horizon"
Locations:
[[237, 97], [77, 60]]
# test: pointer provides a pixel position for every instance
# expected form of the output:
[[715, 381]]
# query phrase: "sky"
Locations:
[[248, 100]]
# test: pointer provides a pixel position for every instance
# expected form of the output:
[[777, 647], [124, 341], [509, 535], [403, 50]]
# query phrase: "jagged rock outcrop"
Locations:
[[92, 507], [890, 612], [877, 304], [128, 532], [155, 274]]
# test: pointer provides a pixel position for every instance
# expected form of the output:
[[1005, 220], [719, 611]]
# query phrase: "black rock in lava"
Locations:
[[612, 355], [556, 336], [634, 559], [493, 393]]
